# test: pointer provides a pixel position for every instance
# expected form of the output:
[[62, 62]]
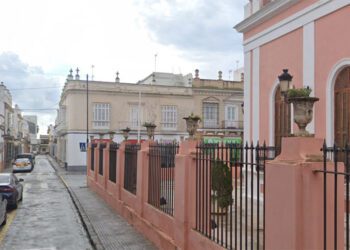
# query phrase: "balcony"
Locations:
[[225, 124]]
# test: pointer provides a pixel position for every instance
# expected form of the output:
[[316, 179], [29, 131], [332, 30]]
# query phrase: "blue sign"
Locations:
[[82, 146]]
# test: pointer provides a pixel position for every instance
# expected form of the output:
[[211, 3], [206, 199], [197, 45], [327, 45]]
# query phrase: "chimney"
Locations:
[[77, 77], [117, 80], [220, 75], [70, 76], [196, 74]]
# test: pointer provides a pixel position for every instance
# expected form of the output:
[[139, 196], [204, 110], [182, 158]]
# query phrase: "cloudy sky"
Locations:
[[41, 40]]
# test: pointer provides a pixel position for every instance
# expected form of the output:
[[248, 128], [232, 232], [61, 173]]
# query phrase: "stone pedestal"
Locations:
[[294, 198]]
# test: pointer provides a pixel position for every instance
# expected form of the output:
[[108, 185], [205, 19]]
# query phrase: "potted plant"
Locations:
[[192, 122], [126, 133], [303, 108], [150, 126], [111, 135], [221, 186]]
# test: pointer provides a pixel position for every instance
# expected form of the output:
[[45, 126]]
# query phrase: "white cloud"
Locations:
[[118, 35]]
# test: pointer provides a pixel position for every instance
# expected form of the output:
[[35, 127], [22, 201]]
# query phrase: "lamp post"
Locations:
[[284, 79], [284, 83], [87, 110]]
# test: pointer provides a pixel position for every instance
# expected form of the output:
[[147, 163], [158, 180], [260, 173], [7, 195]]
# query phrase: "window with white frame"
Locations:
[[231, 116], [134, 116], [169, 117], [101, 115], [210, 115]]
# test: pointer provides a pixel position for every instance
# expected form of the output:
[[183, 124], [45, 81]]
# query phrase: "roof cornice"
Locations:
[[271, 9]]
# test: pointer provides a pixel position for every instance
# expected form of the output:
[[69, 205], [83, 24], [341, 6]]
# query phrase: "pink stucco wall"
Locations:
[[330, 47], [332, 44], [165, 231], [283, 53]]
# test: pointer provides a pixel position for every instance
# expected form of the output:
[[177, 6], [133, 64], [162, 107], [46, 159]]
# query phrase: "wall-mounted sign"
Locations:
[[82, 146]]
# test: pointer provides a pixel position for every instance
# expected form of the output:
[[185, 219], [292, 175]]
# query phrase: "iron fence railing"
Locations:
[[336, 155], [130, 167], [100, 161], [161, 176], [92, 156], [230, 205], [113, 149]]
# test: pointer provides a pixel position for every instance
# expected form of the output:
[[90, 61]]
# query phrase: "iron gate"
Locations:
[[336, 155], [230, 205]]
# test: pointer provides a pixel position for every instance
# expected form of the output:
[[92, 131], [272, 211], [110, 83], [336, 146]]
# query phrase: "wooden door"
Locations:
[[342, 108], [282, 120]]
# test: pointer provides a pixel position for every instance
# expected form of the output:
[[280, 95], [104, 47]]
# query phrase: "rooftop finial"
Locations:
[[117, 78], [196, 73], [77, 77], [70, 75], [220, 75]]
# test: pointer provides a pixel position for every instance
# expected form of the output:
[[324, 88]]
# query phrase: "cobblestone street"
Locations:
[[46, 219]]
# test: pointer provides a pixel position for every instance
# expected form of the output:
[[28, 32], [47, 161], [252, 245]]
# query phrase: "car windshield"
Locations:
[[4, 178], [23, 156], [22, 160]]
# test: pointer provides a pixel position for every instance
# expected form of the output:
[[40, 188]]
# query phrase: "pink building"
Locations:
[[311, 39]]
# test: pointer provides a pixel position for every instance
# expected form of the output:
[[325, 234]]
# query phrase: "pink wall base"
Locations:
[[294, 198]]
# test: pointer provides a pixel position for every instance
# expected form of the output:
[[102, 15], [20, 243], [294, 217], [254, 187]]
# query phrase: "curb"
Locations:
[[89, 229]]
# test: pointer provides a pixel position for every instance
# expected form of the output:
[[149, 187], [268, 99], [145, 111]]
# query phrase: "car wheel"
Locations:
[[16, 204], [5, 220]]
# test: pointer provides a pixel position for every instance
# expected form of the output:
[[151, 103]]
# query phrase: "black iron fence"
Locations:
[[161, 176], [130, 167], [92, 156], [336, 155], [230, 205], [113, 149], [100, 162]]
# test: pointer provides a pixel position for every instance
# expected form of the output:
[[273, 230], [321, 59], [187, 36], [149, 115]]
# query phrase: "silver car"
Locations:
[[3, 212]]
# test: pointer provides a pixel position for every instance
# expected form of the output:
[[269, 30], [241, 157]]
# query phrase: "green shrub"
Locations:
[[221, 181], [301, 92]]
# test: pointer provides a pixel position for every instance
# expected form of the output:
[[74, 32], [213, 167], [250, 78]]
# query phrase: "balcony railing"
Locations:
[[225, 124]]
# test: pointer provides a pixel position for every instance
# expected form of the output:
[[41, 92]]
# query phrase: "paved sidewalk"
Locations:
[[106, 228]]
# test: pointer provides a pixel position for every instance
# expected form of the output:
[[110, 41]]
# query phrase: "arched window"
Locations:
[[342, 107]]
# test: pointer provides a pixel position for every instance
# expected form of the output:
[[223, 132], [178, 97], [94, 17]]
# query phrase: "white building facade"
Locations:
[[161, 98]]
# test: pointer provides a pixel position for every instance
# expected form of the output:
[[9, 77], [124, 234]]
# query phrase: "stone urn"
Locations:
[[303, 112], [111, 135], [150, 128], [126, 133], [192, 123]]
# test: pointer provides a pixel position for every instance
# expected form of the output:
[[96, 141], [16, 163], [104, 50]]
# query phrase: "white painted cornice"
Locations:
[[309, 14], [266, 12]]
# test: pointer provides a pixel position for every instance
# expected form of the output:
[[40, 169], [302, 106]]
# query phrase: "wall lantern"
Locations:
[[285, 78]]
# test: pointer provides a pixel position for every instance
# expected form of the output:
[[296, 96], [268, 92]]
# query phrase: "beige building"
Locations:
[[161, 98], [14, 130]]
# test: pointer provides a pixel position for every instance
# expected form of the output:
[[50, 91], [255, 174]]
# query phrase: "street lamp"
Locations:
[[87, 110], [285, 78]]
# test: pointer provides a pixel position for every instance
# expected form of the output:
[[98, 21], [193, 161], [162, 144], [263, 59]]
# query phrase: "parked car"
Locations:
[[23, 162], [30, 156], [3, 212], [11, 189]]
